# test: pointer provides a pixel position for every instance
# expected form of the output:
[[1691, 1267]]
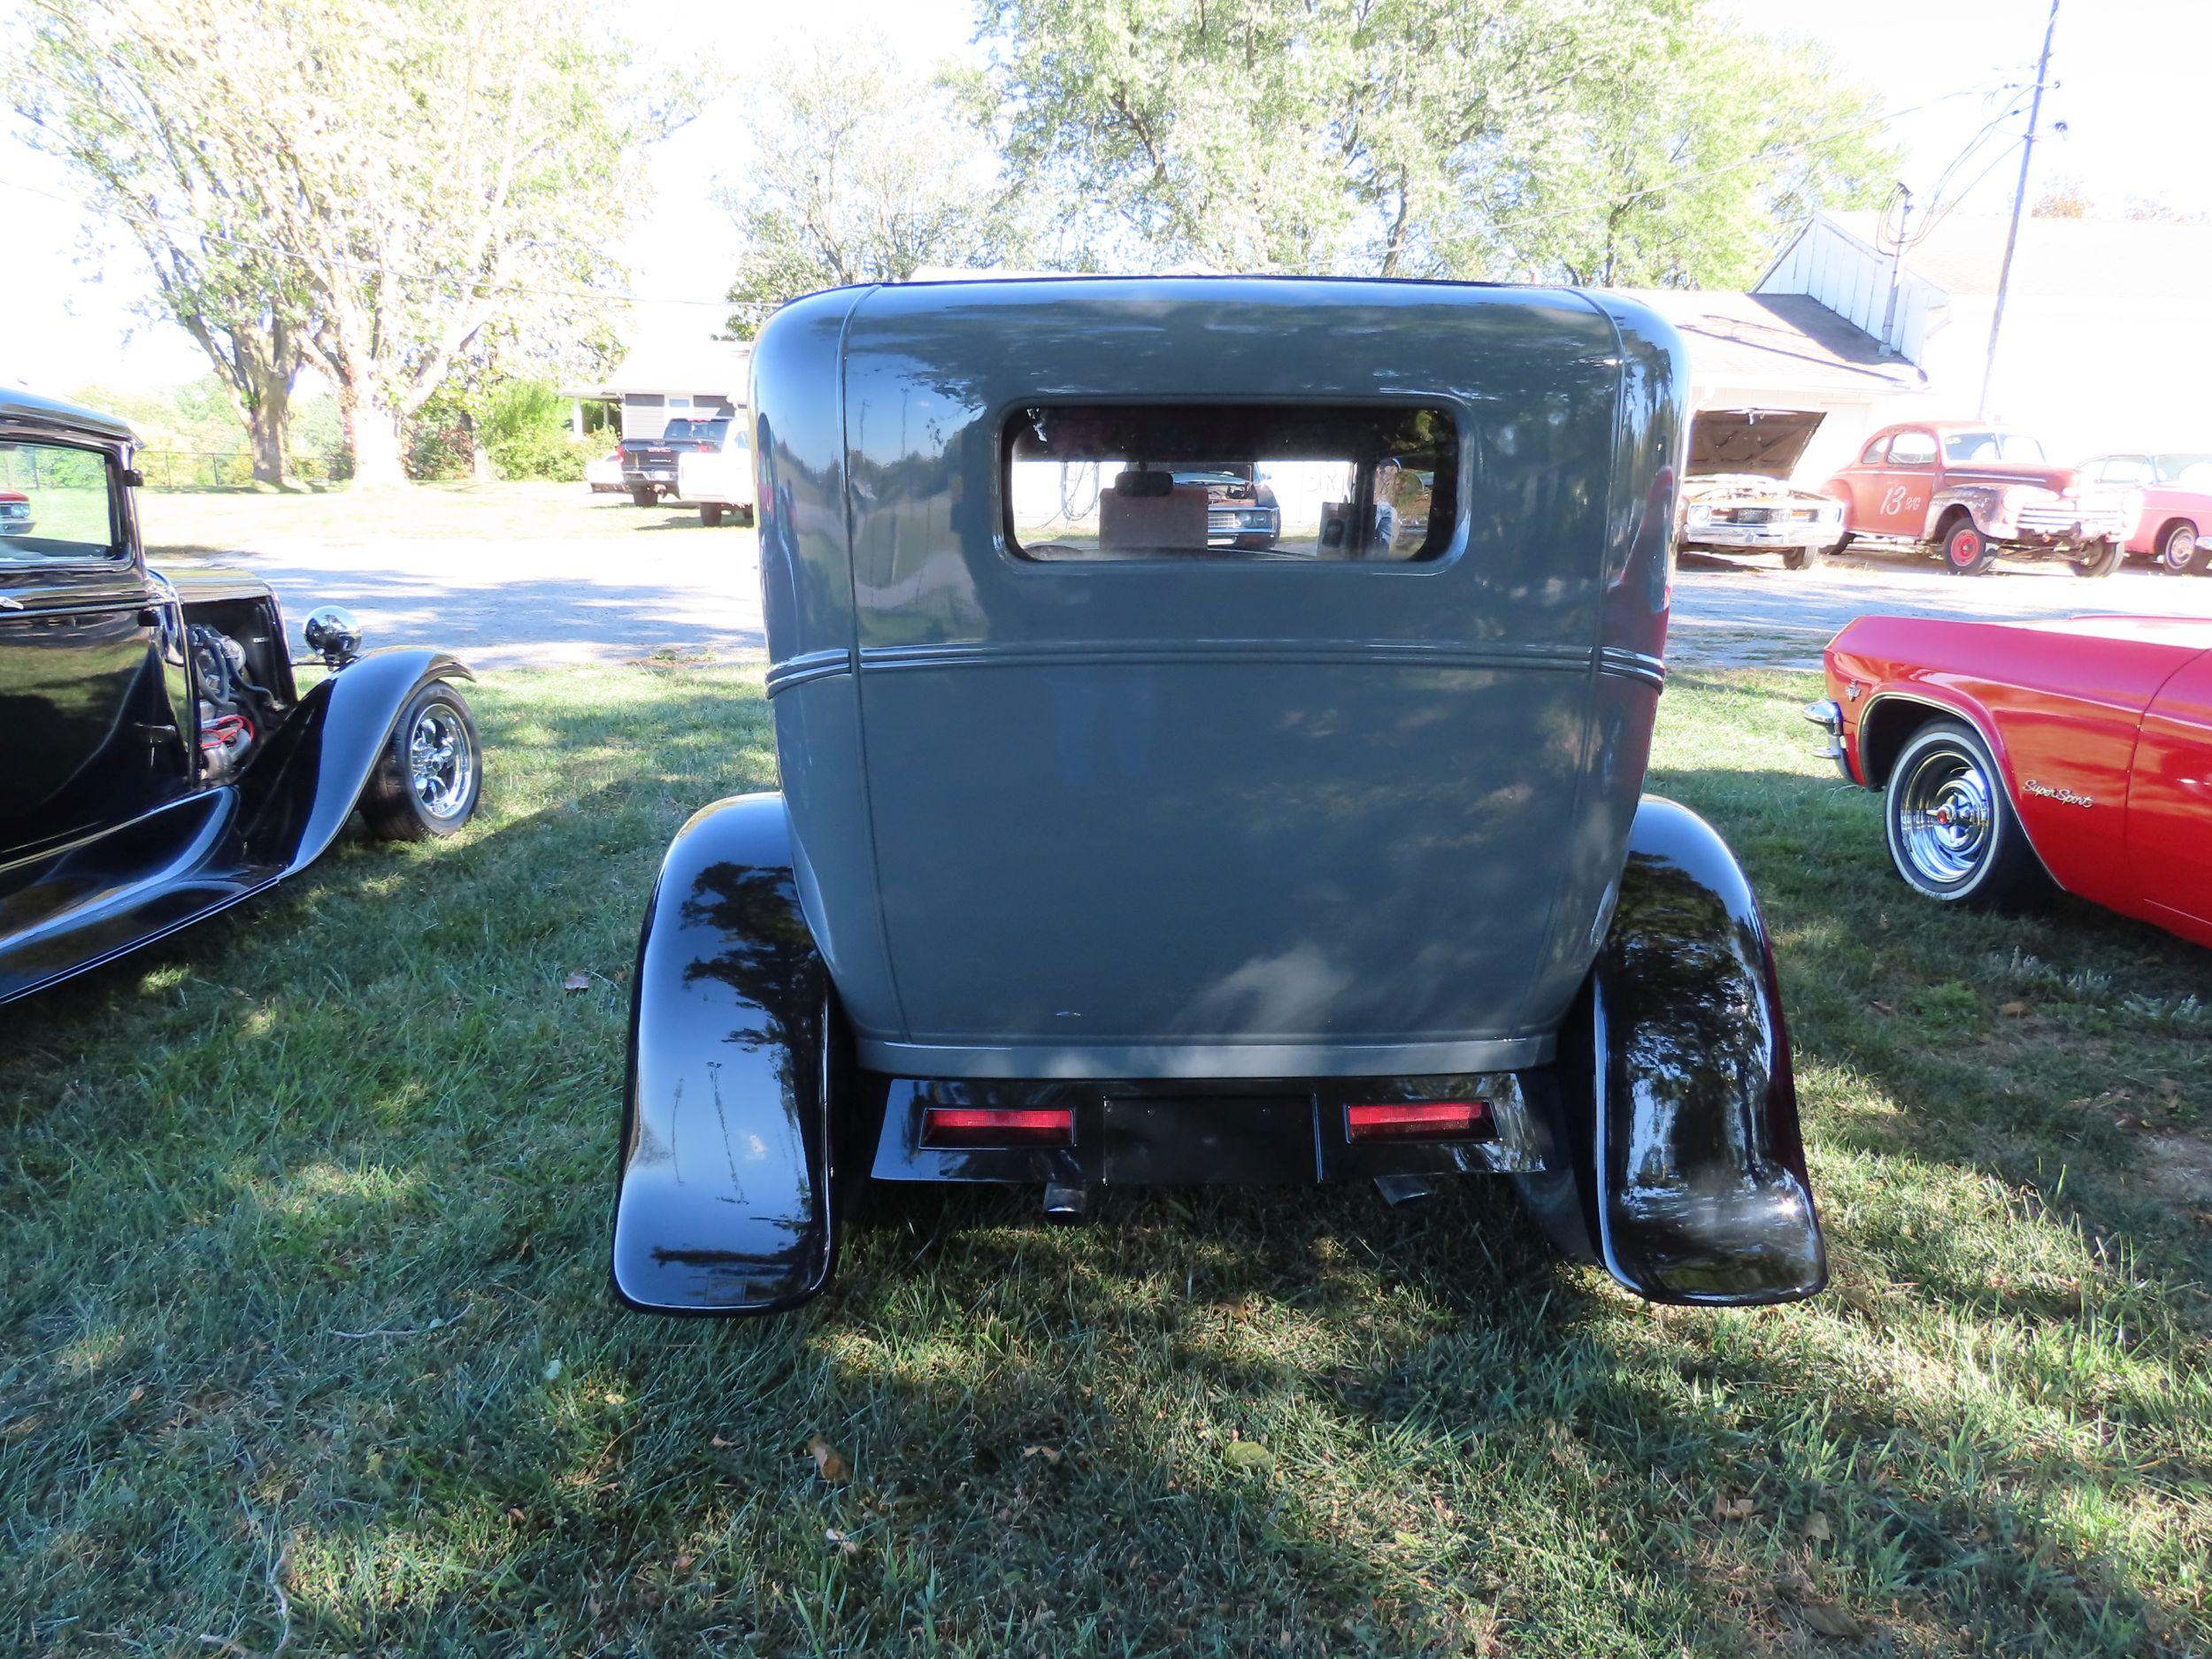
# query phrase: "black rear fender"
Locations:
[[722, 1203]]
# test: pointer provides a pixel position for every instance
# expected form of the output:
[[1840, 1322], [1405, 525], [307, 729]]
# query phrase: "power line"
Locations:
[[1773, 153], [154, 221]]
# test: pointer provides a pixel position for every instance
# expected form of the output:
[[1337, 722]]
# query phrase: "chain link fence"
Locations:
[[229, 469]]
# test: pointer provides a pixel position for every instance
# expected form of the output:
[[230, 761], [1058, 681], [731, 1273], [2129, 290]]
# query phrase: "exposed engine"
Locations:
[[234, 711]]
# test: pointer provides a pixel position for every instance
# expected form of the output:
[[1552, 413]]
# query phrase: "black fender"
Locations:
[[1675, 1089], [214, 848], [723, 1196], [297, 794]]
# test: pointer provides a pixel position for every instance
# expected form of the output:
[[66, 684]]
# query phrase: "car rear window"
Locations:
[[714, 431], [1256, 481], [57, 501]]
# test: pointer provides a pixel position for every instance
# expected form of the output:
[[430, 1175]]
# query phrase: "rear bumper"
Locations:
[[1288, 1132]]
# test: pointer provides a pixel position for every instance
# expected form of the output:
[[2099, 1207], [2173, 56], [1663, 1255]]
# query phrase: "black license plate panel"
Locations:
[[1214, 1139]]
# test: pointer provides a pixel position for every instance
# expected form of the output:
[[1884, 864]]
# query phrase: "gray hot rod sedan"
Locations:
[[1112, 851], [162, 763]]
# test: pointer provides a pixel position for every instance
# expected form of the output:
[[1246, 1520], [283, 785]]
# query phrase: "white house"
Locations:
[[1789, 351], [2103, 345], [659, 381]]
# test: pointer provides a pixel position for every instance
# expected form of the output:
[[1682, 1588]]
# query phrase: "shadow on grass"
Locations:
[[307, 1216]]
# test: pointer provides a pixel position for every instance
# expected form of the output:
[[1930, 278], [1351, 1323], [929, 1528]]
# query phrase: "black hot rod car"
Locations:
[[1111, 849], [162, 763]]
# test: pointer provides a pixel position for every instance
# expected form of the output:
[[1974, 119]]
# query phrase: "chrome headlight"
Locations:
[[332, 632]]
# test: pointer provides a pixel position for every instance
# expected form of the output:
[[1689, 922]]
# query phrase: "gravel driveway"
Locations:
[[523, 575]]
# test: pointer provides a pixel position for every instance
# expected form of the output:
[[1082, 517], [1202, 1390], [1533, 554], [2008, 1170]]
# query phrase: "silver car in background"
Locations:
[[1736, 493]]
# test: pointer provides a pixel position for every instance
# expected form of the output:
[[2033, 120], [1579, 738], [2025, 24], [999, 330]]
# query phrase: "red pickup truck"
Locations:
[[1969, 491]]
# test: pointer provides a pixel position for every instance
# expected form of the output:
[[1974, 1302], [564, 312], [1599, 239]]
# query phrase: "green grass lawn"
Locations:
[[306, 1342]]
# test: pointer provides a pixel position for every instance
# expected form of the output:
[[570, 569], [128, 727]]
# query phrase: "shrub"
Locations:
[[553, 456], [525, 430]]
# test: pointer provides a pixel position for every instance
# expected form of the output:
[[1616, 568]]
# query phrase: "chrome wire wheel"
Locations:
[[441, 762], [1945, 819]]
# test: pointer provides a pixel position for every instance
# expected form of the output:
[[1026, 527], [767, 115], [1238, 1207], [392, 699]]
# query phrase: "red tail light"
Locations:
[[998, 1127], [1421, 1120]]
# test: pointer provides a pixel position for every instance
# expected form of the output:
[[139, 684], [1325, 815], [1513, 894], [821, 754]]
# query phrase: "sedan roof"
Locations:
[[18, 404]]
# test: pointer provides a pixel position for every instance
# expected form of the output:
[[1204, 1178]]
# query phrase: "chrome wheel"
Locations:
[[2179, 555], [1945, 819], [441, 762]]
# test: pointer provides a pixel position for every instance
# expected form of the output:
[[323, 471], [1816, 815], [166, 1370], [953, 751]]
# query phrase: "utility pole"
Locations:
[[1890, 347], [2019, 206]]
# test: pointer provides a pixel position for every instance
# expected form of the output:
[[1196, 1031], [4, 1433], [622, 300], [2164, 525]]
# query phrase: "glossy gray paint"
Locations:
[[1195, 818]]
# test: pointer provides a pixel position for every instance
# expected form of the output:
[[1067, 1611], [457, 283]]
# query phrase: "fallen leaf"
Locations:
[[137, 1394], [841, 1542], [829, 1463], [2013, 1010], [1050, 1454], [1248, 1455], [721, 1445], [1818, 1530], [1885, 1007], [1734, 1508], [2169, 1087], [613, 1398], [516, 1514], [1830, 1620], [577, 982]]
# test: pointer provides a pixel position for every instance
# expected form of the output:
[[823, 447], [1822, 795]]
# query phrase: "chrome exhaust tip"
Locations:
[[1066, 1202], [1401, 1190]]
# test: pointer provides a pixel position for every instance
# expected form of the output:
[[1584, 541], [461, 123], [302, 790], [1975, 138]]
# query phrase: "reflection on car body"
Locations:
[[162, 761], [1109, 852]]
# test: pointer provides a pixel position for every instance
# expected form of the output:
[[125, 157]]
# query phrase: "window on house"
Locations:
[[1260, 482]]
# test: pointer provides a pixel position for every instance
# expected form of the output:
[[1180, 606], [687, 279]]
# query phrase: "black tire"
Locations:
[[2180, 552], [744, 516], [1796, 558], [2102, 558], [709, 513], [643, 496], [395, 808], [1977, 859], [1966, 550]]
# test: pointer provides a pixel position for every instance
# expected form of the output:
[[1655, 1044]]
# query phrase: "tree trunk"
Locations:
[[480, 461], [374, 433], [265, 424]]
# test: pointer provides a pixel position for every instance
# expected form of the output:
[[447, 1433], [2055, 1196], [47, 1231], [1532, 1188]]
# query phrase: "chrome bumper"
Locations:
[[1803, 533], [1827, 714]]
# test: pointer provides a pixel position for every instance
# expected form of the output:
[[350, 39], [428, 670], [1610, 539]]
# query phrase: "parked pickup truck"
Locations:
[[1969, 491], [649, 465], [720, 480]]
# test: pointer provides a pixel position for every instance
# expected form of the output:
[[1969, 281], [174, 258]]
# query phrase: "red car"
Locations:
[[1969, 491], [2015, 755], [2175, 527]]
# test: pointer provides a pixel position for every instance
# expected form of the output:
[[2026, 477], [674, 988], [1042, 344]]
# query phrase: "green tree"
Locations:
[[419, 181], [863, 168], [119, 92], [1624, 142]]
